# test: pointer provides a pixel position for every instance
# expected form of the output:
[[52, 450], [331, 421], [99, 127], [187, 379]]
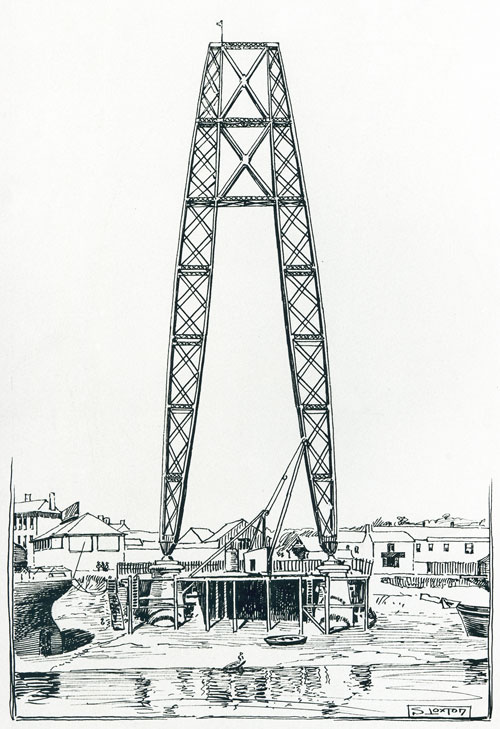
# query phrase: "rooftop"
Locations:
[[37, 505], [447, 534], [84, 525], [196, 534]]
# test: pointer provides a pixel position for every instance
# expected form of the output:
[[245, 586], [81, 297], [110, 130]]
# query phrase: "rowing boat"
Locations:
[[285, 639]]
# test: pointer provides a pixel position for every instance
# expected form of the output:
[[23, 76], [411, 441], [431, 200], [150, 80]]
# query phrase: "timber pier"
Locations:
[[328, 601]]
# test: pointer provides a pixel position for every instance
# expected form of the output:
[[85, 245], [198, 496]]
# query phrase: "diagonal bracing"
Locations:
[[280, 185]]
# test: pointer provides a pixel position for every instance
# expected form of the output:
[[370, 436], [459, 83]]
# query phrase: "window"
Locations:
[[108, 543], [431, 546], [469, 548], [25, 522], [418, 547], [24, 542], [390, 547], [80, 544], [56, 543], [252, 565], [32, 522], [446, 547], [356, 550], [19, 541], [36, 546]]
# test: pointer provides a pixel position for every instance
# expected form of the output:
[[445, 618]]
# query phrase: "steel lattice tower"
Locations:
[[279, 184]]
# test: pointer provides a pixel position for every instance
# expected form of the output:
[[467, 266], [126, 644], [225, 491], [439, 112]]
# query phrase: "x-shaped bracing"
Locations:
[[245, 162], [244, 83], [298, 268]]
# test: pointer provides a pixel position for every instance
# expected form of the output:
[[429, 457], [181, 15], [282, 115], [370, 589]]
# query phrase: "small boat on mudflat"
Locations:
[[447, 604], [475, 619], [286, 639]]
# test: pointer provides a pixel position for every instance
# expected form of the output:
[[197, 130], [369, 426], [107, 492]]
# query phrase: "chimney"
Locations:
[[107, 520], [52, 501], [101, 517], [27, 497], [122, 522], [368, 528]]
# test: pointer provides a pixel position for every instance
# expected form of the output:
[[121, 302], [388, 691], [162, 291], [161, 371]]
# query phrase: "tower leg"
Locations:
[[207, 605], [235, 617], [176, 605], [268, 604], [327, 604], [301, 608]]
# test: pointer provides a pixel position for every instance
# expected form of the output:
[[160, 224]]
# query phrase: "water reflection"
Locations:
[[298, 691], [37, 686], [476, 671], [361, 677], [141, 691], [217, 688]]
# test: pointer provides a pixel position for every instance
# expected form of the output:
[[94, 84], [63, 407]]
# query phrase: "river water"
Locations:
[[417, 654]]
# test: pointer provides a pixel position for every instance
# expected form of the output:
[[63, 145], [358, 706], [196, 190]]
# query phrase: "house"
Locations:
[[198, 544], [141, 546], [296, 545], [120, 526], [34, 517], [195, 547], [196, 535], [429, 550], [226, 533], [304, 544], [83, 544], [19, 559], [448, 550], [392, 551], [483, 567], [357, 542]]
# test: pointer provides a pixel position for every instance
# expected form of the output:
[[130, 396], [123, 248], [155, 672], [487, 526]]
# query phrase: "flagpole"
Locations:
[[221, 25]]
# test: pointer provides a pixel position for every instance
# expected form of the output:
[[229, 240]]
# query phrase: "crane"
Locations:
[[248, 102]]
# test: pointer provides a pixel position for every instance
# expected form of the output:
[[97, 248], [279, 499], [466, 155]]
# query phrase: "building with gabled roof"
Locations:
[[449, 550], [195, 535], [31, 518], [84, 544]]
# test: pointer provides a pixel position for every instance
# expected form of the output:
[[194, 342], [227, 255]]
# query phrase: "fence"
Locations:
[[216, 565], [360, 564], [452, 568], [296, 565], [439, 581], [132, 568]]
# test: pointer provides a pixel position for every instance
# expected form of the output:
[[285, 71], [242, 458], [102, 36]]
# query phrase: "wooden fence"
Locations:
[[132, 568], [452, 568], [296, 565]]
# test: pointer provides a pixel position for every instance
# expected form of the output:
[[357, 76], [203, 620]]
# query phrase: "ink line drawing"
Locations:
[[385, 620]]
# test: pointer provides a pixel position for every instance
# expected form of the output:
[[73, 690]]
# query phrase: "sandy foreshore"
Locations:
[[408, 630]]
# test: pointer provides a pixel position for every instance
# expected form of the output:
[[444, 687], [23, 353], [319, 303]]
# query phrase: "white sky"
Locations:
[[396, 105]]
